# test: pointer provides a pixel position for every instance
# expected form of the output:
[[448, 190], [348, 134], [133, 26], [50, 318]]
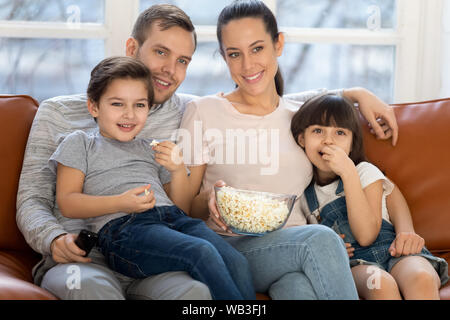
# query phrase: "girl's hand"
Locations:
[[406, 243], [214, 213], [132, 201], [168, 155], [337, 160], [348, 246]]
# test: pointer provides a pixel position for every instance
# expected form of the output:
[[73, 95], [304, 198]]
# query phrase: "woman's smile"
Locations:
[[254, 78]]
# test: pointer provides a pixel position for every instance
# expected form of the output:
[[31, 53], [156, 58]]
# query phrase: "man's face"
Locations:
[[167, 53]]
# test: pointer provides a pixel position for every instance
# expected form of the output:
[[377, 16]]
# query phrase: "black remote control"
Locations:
[[86, 240]]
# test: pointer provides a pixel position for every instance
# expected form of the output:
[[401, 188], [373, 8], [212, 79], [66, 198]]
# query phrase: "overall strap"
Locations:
[[340, 187], [311, 198]]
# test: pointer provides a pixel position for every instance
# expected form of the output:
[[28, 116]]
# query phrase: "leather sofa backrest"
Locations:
[[420, 166], [17, 114]]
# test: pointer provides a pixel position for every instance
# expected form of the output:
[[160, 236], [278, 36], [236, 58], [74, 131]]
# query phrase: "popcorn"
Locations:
[[154, 143], [251, 212]]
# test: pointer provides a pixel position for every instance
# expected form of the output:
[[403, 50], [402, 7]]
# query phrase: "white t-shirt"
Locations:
[[246, 151], [368, 174]]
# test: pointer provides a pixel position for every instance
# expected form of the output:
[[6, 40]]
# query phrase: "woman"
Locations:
[[299, 261]]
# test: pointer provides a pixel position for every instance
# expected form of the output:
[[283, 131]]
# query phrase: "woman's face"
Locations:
[[251, 55]]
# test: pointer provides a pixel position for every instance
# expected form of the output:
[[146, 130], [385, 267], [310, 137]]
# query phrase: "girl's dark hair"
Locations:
[[240, 9], [114, 68], [167, 16], [335, 111]]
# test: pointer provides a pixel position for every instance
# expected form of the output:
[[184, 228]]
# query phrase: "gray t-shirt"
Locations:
[[37, 217], [111, 167], [39, 220]]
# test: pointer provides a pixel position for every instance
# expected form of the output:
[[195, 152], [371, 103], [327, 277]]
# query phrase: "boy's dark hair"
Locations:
[[240, 9], [331, 110], [167, 15], [114, 68]]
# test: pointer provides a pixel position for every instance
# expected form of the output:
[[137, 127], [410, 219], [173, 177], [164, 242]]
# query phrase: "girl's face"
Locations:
[[251, 55], [317, 137], [122, 110]]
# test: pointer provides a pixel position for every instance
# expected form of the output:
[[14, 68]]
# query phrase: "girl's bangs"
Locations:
[[332, 113]]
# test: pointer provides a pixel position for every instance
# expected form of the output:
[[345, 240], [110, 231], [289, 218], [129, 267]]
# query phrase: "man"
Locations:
[[164, 39]]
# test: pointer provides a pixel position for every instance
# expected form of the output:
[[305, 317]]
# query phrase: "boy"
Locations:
[[101, 177]]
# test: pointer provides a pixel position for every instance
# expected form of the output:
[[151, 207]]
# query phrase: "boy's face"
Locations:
[[167, 53], [122, 110]]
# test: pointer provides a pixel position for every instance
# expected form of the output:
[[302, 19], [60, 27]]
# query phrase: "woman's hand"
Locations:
[[380, 116], [214, 213], [64, 249], [406, 243], [136, 200]]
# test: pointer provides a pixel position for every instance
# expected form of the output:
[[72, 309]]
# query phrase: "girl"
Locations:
[[104, 177], [348, 194]]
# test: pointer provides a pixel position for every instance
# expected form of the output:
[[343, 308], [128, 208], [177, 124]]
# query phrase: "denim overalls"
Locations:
[[334, 215]]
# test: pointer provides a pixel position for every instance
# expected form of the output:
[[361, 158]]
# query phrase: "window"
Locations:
[[45, 67], [348, 14], [392, 47], [52, 10], [48, 48], [332, 64]]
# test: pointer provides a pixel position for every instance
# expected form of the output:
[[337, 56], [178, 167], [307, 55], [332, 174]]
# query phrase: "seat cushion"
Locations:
[[16, 280], [17, 114]]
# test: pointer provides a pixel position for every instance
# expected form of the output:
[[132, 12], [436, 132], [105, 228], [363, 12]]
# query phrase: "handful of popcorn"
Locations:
[[253, 212], [154, 143]]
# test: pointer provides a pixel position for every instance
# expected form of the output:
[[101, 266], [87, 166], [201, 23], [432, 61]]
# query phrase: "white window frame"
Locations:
[[119, 18], [417, 39]]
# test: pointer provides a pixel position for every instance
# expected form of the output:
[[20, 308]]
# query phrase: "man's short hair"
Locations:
[[167, 16]]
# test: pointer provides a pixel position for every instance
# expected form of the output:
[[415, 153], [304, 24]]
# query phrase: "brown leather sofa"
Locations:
[[16, 257], [419, 165]]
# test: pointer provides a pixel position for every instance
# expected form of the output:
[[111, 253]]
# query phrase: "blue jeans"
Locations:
[[165, 239], [303, 262]]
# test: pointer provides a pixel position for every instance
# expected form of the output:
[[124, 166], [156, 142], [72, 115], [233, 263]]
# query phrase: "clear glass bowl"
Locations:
[[253, 212]]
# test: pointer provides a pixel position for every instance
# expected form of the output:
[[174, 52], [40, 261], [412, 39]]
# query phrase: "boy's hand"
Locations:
[[168, 155], [132, 201]]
